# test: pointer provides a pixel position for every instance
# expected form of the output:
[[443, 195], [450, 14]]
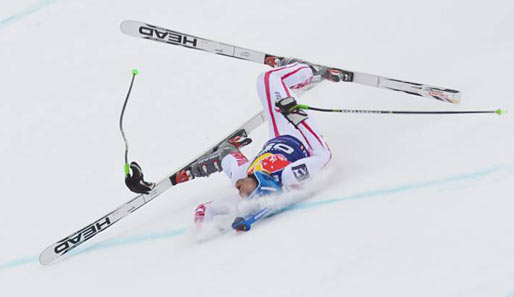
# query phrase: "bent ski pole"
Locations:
[[126, 167]]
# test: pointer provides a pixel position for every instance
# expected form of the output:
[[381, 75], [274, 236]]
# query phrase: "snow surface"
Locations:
[[416, 205]]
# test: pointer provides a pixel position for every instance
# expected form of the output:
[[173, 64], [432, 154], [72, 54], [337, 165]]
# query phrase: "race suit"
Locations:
[[293, 154]]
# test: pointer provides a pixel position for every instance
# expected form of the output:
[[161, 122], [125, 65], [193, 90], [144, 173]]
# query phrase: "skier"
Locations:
[[294, 153]]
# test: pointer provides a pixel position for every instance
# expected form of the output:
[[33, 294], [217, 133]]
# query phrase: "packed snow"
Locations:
[[410, 205]]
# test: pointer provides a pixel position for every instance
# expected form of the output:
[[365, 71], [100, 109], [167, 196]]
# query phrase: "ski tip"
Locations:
[[42, 261], [135, 71], [125, 23], [45, 258], [500, 111]]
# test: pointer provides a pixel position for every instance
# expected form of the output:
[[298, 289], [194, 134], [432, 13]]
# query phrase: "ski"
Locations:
[[151, 32], [77, 238]]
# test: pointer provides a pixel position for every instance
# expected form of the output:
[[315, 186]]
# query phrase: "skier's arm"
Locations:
[[297, 173]]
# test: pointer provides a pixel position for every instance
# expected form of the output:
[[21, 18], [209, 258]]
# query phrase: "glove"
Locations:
[[288, 107], [135, 182], [240, 224]]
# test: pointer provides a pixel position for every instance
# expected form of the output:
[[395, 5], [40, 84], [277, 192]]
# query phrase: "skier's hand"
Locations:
[[286, 105], [240, 224], [136, 182], [289, 108]]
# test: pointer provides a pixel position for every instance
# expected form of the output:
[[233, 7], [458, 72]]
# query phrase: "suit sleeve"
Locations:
[[300, 171]]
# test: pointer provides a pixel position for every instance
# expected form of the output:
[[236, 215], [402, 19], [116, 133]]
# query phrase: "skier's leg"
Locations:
[[278, 83], [275, 84]]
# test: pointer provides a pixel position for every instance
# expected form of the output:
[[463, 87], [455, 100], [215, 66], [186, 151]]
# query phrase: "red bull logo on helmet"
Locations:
[[269, 163]]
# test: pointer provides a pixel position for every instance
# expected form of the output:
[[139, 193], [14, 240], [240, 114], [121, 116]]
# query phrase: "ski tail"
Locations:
[[417, 89]]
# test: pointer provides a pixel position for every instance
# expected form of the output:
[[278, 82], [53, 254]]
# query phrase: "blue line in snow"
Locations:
[[401, 189], [19, 262], [473, 176], [27, 11], [102, 245], [134, 239]]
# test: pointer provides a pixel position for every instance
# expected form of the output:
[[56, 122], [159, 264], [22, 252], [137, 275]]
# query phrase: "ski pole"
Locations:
[[127, 166], [307, 107]]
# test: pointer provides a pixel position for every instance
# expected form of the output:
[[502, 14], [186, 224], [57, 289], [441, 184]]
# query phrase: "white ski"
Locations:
[[147, 31]]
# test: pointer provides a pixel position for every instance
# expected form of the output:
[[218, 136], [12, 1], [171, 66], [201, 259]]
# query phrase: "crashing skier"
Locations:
[[295, 151]]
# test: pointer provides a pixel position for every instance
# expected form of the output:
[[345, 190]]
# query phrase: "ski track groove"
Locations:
[[507, 170]]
